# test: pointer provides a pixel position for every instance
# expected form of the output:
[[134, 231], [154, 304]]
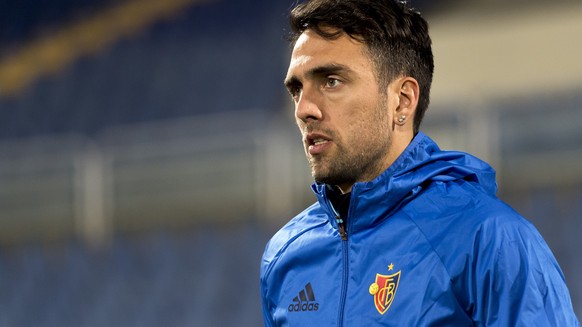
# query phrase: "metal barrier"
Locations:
[[225, 167]]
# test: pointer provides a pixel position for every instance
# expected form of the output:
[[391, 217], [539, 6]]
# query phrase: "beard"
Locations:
[[358, 158]]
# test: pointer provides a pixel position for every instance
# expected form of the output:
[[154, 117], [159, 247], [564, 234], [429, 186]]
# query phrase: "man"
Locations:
[[403, 234]]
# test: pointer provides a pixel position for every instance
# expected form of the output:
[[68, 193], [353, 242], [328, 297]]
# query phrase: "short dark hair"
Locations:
[[396, 37]]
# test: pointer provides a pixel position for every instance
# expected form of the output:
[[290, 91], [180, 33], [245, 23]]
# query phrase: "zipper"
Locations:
[[344, 290], [344, 287], [341, 225]]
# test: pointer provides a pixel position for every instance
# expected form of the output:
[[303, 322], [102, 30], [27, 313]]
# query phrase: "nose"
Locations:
[[308, 106]]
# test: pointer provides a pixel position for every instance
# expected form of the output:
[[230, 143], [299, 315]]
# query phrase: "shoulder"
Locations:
[[464, 223], [486, 247], [461, 206], [311, 218]]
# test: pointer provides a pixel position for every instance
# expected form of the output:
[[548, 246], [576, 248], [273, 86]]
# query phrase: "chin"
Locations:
[[329, 180], [320, 178]]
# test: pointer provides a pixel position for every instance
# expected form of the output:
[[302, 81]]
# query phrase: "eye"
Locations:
[[294, 91], [332, 82]]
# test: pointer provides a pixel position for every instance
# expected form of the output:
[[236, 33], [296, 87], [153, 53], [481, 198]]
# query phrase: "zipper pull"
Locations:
[[342, 228]]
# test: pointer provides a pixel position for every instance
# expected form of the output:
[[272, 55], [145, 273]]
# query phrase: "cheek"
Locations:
[[373, 121]]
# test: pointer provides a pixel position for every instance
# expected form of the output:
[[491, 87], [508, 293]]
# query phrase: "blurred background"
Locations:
[[148, 149]]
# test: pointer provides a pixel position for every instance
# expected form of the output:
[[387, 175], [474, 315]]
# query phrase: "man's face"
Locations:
[[343, 116]]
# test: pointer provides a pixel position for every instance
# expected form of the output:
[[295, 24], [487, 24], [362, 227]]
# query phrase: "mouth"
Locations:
[[317, 144], [317, 141]]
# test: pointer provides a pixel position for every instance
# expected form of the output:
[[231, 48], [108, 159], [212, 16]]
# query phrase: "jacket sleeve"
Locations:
[[517, 281], [267, 318], [265, 264]]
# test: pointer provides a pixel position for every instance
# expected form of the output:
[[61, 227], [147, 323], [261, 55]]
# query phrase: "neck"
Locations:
[[399, 143]]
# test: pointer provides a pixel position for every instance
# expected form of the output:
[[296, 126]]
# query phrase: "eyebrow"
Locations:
[[319, 71]]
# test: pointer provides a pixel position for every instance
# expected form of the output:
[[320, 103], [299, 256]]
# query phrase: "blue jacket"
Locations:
[[428, 244]]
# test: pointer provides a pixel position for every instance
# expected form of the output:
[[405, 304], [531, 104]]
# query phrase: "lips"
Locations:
[[317, 143]]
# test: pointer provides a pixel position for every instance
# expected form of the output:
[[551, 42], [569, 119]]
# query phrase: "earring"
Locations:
[[401, 119]]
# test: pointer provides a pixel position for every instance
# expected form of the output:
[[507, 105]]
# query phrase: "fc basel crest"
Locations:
[[384, 291]]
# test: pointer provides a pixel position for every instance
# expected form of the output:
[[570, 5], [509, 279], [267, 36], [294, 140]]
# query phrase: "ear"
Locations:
[[408, 91]]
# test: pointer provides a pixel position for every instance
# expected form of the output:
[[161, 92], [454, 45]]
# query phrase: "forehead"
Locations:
[[312, 50]]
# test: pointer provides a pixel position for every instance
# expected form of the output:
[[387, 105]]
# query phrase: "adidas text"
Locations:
[[303, 306]]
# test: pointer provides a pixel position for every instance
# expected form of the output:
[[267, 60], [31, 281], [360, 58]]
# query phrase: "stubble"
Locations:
[[359, 158]]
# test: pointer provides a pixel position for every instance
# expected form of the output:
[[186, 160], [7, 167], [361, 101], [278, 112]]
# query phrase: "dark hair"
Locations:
[[396, 37]]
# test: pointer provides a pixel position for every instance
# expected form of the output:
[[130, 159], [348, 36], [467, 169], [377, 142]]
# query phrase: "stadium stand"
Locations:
[[153, 133], [198, 277], [172, 69]]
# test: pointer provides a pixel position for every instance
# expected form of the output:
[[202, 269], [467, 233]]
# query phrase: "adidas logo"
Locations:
[[305, 301]]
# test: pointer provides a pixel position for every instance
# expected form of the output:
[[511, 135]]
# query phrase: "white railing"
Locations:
[[226, 167]]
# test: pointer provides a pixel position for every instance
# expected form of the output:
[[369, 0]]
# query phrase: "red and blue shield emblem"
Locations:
[[384, 291]]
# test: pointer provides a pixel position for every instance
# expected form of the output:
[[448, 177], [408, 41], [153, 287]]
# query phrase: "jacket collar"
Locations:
[[422, 161]]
